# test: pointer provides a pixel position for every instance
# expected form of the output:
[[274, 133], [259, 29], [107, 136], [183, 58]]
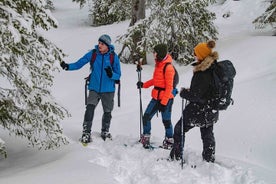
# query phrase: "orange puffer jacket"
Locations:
[[163, 84]]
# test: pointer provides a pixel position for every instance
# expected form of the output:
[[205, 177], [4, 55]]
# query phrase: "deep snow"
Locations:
[[245, 134]]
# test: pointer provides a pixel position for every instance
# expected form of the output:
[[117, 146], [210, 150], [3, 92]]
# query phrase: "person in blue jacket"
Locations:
[[101, 85]]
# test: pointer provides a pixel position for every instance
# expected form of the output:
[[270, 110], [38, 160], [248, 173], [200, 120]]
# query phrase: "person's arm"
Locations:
[[81, 62]]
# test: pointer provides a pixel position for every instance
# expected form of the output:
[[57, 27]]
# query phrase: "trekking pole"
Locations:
[[119, 93], [139, 68], [182, 132], [85, 90]]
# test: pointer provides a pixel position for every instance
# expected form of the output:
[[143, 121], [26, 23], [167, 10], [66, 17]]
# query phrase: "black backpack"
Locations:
[[223, 74], [176, 76]]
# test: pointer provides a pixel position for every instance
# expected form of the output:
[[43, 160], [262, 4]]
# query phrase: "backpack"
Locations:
[[176, 76], [223, 74]]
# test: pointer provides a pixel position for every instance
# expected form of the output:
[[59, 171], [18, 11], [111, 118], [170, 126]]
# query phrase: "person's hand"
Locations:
[[64, 65], [108, 71], [139, 84], [139, 67], [161, 107], [184, 92]]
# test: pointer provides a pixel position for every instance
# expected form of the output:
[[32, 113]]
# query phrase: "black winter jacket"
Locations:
[[198, 112]]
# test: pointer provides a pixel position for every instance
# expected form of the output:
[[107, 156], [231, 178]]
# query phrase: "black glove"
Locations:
[[64, 65], [108, 71], [161, 107], [184, 93], [139, 67], [139, 84]]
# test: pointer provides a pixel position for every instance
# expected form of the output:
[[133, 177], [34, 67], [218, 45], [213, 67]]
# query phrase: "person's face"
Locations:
[[103, 48], [154, 55], [196, 59]]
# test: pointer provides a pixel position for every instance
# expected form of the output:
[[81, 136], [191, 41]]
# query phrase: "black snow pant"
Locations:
[[207, 136], [107, 100]]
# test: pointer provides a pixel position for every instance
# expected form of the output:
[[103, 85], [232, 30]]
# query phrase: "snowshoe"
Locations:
[[167, 143], [145, 140], [85, 139], [106, 135]]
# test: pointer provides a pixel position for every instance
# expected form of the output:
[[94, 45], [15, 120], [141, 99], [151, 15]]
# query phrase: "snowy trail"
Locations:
[[134, 164]]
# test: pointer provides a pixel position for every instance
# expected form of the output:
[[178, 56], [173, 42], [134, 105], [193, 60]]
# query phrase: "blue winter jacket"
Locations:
[[99, 81]]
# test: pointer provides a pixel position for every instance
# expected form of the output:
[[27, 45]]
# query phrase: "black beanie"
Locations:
[[161, 51]]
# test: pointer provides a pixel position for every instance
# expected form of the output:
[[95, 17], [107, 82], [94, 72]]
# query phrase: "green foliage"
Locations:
[[179, 24], [49, 5], [106, 12], [27, 60], [3, 151], [267, 18], [81, 2]]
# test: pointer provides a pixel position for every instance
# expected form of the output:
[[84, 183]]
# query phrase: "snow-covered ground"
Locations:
[[245, 134]]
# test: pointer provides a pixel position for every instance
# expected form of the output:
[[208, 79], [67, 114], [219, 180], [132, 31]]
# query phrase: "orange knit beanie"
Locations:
[[202, 50]]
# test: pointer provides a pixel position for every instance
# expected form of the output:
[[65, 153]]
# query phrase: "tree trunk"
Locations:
[[138, 13]]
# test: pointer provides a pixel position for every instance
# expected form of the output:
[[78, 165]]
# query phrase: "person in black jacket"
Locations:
[[198, 112]]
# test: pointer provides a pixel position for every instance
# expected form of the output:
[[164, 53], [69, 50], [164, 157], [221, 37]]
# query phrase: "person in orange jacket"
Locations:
[[162, 96]]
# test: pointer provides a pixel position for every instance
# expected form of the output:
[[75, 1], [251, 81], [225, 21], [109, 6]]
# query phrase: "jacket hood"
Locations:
[[206, 63]]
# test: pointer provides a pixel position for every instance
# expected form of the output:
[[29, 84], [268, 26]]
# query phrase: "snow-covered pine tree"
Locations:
[[179, 24], [267, 18], [3, 151], [27, 62], [81, 2], [49, 5], [132, 44], [110, 11], [103, 12]]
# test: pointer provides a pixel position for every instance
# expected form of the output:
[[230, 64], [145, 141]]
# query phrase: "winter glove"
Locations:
[[108, 71], [64, 65], [184, 92], [139, 84], [161, 107]]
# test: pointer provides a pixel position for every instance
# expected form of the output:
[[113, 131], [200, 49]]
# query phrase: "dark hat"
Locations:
[[105, 39], [161, 51]]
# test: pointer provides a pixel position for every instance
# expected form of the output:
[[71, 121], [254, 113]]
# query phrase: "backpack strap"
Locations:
[[93, 58], [94, 55], [159, 89], [164, 68], [111, 57], [176, 77]]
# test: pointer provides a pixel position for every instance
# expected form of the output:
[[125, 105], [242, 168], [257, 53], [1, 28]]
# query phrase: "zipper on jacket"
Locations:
[[101, 79]]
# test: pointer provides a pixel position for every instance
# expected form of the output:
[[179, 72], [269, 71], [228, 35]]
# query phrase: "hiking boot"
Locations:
[[105, 135], [168, 143], [145, 140], [176, 152], [85, 138]]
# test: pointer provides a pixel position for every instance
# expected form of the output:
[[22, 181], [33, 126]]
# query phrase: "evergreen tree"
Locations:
[[27, 60], [81, 2], [138, 12], [49, 5], [267, 18], [3, 149], [106, 12], [179, 24], [103, 12]]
